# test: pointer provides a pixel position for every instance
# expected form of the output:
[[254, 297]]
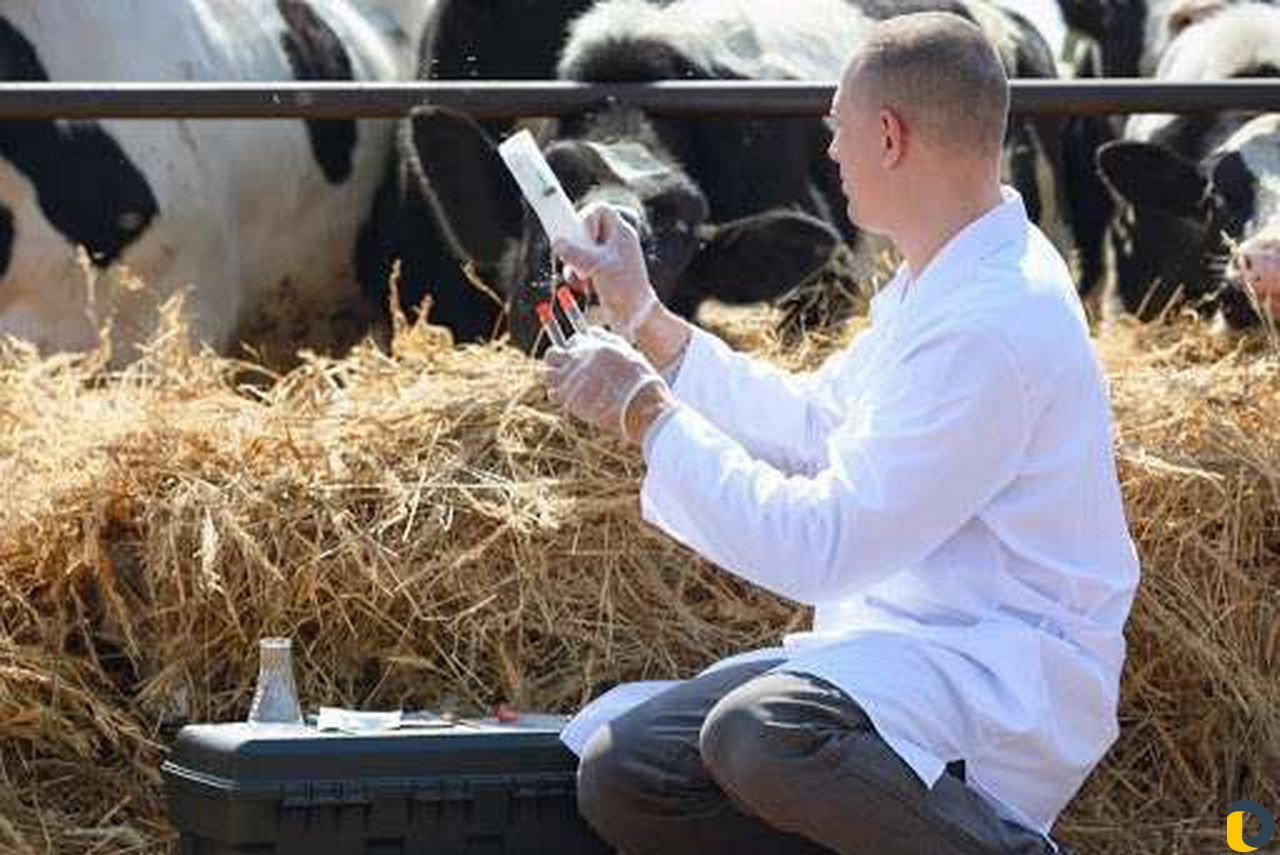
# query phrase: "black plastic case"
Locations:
[[469, 789]]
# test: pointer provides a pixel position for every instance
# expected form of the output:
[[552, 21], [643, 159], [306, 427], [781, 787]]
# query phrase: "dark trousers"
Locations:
[[739, 762]]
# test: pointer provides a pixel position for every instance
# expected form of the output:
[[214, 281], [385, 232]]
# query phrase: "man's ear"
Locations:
[[755, 258], [477, 199], [1150, 175], [892, 138]]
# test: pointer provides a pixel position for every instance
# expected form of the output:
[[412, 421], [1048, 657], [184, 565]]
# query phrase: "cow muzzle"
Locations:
[[1258, 260]]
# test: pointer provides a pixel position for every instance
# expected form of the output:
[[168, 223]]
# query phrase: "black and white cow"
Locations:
[[1132, 35], [742, 209], [261, 218], [1199, 195]]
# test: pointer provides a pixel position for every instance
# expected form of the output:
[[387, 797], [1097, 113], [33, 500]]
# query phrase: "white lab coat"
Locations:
[[944, 493]]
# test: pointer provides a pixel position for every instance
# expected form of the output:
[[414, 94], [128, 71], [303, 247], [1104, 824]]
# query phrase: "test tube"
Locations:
[[570, 307], [551, 325]]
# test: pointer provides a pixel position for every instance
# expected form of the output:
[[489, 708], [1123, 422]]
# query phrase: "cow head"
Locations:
[[1199, 228], [689, 258]]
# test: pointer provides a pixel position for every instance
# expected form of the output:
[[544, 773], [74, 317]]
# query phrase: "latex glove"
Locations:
[[614, 265], [597, 378]]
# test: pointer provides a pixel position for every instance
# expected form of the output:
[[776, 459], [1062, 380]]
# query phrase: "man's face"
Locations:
[[856, 146]]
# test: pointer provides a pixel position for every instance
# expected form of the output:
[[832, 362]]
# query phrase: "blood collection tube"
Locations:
[[549, 323], [570, 308]]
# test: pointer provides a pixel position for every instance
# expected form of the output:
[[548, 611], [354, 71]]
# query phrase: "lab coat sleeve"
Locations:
[[777, 416], [906, 470]]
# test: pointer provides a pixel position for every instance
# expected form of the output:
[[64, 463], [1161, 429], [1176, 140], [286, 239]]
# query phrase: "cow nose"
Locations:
[[1259, 262]]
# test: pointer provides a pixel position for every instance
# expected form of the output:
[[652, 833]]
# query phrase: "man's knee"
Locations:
[[765, 734], [631, 781], [606, 788]]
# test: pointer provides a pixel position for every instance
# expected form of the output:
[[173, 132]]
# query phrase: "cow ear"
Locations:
[[477, 199], [759, 257], [1149, 175]]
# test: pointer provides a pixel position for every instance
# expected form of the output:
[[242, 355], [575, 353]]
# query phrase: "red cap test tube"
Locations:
[[549, 323], [570, 306]]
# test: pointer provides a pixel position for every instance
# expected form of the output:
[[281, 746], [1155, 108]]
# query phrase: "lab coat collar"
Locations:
[[997, 228]]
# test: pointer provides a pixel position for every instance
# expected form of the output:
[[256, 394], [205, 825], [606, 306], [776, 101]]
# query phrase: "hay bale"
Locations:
[[431, 533], [1198, 449]]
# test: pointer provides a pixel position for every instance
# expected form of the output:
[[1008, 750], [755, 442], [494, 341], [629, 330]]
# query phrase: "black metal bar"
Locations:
[[493, 99], [1120, 95]]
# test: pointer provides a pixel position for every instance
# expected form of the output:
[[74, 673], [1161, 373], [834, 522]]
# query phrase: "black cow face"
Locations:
[[1177, 228], [689, 259], [668, 211]]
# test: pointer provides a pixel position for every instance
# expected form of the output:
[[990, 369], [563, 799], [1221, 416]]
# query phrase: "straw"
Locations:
[[431, 533]]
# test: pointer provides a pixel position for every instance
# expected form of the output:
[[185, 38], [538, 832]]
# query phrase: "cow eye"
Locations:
[[1232, 189]]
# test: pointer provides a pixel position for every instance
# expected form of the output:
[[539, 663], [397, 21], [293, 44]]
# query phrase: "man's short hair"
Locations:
[[940, 73]]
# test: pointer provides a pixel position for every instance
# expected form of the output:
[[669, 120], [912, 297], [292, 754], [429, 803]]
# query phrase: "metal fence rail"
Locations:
[[495, 99]]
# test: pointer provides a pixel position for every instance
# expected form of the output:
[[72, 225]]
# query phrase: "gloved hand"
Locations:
[[614, 265], [597, 378]]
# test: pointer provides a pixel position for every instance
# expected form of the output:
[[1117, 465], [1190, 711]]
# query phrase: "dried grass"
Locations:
[[431, 533]]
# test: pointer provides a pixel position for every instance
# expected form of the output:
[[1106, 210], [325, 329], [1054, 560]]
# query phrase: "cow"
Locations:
[[1199, 195], [258, 219], [742, 209], [1131, 35]]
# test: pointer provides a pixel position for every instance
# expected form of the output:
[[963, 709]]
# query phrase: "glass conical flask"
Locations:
[[276, 699]]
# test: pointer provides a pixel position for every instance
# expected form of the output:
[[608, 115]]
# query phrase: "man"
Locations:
[[943, 493]]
